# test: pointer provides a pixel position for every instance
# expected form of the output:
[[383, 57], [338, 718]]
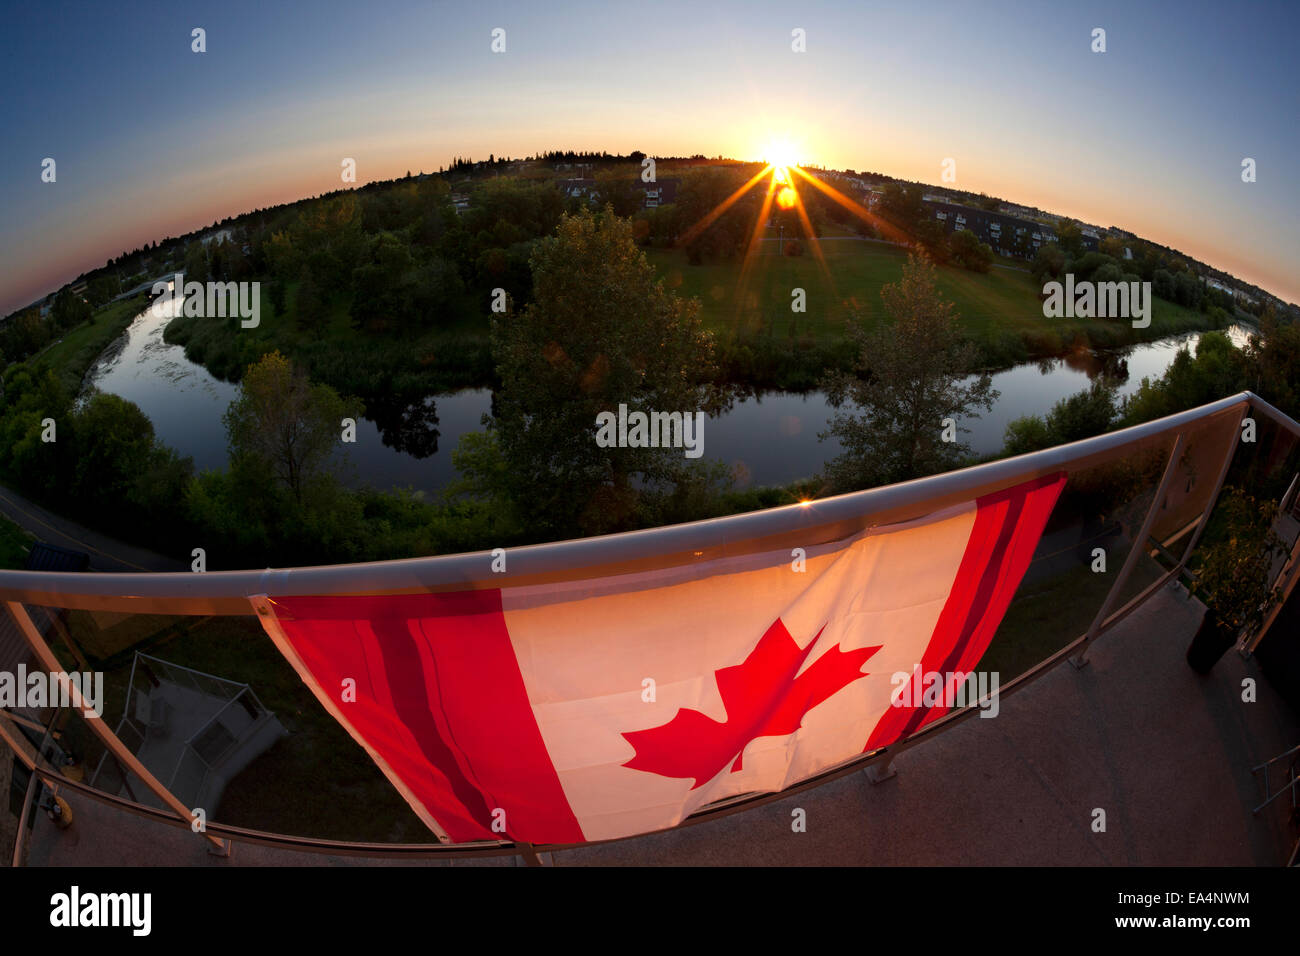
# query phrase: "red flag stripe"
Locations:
[[1007, 528], [451, 716], [443, 709]]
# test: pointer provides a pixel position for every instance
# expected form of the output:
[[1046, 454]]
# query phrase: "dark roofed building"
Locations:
[[998, 229]]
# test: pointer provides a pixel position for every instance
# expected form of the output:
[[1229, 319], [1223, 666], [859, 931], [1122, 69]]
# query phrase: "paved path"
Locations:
[[1165, 753], [106, 554]]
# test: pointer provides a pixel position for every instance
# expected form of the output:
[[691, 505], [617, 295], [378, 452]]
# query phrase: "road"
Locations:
[[106, 554]]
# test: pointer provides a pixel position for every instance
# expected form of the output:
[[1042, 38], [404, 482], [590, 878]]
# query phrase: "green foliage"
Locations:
[[619, 189], [909, 378], [1274, 354], [196, 262], [14, 545], [1084, 414], [1025, 434], [902, 205], [285, 424], [1048, 264], [1085, 267], [118, 462], [602, 330], [1069, 236], [69, 310], [700, 194], [1219, 369], [965, 250], [1073, 418], [103, 465], [1234, 573]]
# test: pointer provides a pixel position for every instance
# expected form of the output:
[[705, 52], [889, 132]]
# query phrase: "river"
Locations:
[[773, 435]]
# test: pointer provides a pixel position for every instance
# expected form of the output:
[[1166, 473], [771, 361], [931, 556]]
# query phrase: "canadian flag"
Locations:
[[609, 706]]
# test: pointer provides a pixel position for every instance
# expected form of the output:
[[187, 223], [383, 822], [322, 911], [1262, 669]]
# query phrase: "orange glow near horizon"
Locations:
[[781, 154], [782, 193]]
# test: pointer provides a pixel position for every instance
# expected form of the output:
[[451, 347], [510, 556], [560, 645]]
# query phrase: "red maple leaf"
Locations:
[[763, 698]]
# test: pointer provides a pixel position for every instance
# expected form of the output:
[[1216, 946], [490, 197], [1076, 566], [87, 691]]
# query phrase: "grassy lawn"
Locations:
[[14, 544], [71, 356], [990, 305], [1000, 311]]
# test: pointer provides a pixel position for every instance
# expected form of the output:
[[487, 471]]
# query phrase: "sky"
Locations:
[[152, 139]]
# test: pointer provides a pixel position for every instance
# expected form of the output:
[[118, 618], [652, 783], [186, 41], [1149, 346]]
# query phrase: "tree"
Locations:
[[196, 262], [700, 195], [620, 190], [933, 240], [903, 206], [1025, 434], [911, 375], [1049, 262], [1083, 414], [69, 310], [103, 288], [601, 331], [1235, 572], [285, 423], [120, 470], [1112, 246], [309, 306], [968, 252], [1070, 236], [1275, 356]]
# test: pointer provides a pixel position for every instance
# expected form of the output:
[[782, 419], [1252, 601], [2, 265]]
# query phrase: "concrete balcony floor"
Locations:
[[1166, 754]]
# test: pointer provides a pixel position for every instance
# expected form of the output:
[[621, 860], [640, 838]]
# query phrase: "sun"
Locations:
[[781, 153]]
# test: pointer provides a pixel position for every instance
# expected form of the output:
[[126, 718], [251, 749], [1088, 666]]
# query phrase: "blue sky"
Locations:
[[152, 139]]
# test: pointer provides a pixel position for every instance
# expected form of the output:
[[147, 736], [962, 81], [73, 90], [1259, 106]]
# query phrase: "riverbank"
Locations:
[[369, 364], [1000, 311], [762, 343], [766, 437], [72, 356]]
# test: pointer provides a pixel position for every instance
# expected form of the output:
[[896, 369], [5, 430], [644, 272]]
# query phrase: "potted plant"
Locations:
[[1235, 575]]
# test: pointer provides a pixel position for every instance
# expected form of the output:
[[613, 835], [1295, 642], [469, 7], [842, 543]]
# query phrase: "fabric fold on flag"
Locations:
[[596, 708]]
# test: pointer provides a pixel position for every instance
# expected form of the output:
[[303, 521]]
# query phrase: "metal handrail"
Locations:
[[806, 524], [228, 592]]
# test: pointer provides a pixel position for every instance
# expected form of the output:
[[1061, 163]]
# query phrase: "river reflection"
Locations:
[[770, 438]]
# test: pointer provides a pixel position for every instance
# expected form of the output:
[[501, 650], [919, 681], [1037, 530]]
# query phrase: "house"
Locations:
[[1006, 234], [661, 193]]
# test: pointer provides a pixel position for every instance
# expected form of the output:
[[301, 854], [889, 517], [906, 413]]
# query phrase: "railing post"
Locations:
[[96, 723], [29, 798], [1288, 577], [1135, 551], [532, 857], [882, 770]]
